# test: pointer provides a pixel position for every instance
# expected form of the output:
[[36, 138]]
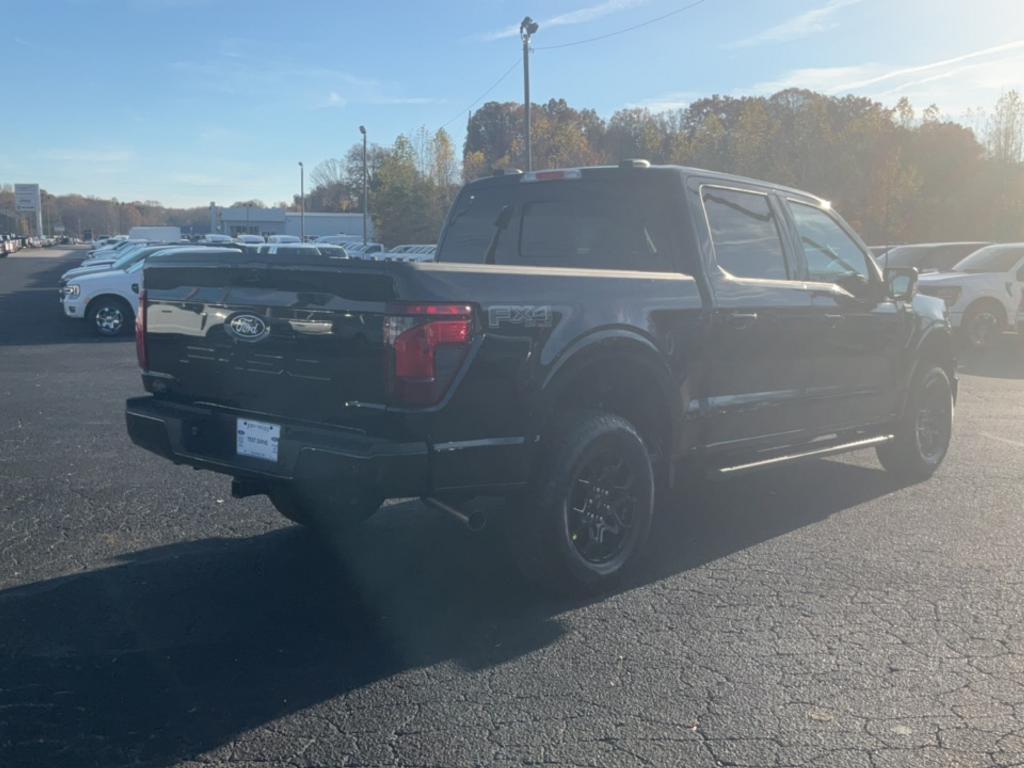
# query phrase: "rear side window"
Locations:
[[745, 234], [575, 223]]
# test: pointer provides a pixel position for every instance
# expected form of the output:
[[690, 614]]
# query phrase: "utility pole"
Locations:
[[362, 130], [302, 202], [527, 29]]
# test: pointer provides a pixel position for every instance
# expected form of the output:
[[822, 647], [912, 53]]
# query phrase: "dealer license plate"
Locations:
[[258, 439]]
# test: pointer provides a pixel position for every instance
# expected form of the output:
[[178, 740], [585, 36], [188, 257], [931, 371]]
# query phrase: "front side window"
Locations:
[[831, 254], [745, 234]]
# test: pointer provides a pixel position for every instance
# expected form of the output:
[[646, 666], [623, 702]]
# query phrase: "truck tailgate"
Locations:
[[304, 340]]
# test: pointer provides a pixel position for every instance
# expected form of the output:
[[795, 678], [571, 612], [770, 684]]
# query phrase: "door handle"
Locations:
[[741, 320], [833, 320]]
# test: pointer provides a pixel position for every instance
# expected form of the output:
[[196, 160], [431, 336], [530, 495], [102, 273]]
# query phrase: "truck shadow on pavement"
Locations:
[[32, 315], [1003, 360], [175, 651]]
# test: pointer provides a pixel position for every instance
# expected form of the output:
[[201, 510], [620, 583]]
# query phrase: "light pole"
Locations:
[[362, 130], [302, 202], [527, 28]]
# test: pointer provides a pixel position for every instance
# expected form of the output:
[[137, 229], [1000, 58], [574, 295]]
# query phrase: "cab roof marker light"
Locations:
[[571, 173]]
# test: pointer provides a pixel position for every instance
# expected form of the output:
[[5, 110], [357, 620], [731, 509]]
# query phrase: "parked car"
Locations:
[[111, 250], [298, 250], [129, 257], [284, 239], [359, 249], [930, 257], [102, 259], [339, 239], [582, 333], [249, 239], [419, 252], [108, 299], [983, 292]]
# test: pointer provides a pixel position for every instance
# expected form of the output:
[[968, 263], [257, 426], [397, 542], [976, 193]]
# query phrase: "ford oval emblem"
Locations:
[[248, 327]]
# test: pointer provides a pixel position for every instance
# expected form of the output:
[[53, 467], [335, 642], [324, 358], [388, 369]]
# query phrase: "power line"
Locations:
[[515, 64], [480, 98], [621, 31]]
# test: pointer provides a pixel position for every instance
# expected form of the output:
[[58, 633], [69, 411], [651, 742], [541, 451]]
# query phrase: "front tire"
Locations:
[[982, 324], [922, 437], [110, 316], [591, 508]]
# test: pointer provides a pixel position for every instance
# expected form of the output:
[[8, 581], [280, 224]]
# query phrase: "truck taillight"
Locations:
[[140, 333], [427, 344]]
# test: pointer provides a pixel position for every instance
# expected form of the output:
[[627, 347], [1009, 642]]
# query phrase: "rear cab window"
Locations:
[[745, 234], [607, 221]]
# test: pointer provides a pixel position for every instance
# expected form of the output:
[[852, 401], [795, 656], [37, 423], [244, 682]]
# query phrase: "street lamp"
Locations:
[[527, 28], [302, 202], [362, 130]]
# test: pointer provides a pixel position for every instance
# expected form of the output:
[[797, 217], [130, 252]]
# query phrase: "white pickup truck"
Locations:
[[109, 298], [983, 293]]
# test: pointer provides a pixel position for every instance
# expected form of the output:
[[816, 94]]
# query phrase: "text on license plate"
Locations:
[[258, 439]]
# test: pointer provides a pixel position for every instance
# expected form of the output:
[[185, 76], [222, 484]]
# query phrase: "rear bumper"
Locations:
[[204, 437]]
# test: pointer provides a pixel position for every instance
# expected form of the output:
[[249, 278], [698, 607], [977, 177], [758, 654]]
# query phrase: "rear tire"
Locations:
[[110, 316], [590, 510], [922, 437]]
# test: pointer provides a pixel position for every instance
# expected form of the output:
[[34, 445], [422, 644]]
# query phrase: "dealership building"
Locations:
[[249, 219]]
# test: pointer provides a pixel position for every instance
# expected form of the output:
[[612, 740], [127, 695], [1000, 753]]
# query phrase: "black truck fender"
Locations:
[[620, 371]]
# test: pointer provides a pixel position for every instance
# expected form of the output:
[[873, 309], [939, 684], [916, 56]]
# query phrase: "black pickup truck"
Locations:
[[582, 334]]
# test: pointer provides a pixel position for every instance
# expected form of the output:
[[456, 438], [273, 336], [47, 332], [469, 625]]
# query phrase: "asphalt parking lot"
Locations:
[[816, 615]]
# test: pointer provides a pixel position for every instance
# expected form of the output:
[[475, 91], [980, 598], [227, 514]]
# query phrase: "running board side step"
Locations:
[[825, 450]]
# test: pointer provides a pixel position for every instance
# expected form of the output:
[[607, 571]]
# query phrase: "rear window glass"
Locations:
[[575, 223]]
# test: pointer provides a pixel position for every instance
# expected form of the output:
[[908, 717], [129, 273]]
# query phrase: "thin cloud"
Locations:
[[570, 18], [896, 73], [957, 84], [812, 22]]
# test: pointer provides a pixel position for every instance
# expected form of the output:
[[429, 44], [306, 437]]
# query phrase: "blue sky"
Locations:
[[188, 101]]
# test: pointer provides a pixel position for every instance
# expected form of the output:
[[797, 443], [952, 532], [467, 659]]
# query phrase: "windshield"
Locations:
[[994, 258], [130, 258]]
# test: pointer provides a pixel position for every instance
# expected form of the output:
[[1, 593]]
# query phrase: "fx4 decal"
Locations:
[[526, 316]]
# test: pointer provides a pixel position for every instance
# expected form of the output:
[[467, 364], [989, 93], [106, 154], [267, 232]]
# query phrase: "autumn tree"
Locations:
[[1006, 129]]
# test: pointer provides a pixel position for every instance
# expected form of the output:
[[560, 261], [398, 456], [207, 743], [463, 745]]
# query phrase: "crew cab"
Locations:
[[984, 292], [107, 299], [582, 335]]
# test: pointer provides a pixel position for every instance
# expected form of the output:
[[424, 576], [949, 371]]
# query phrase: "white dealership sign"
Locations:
[[26, 198]]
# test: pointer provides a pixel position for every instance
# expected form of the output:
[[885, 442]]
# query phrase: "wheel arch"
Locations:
[[935, 347], [622, 372], [989, 301], [108, 295]]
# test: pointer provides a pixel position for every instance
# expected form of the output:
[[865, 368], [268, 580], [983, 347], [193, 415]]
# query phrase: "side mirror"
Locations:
[[901, 282]]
